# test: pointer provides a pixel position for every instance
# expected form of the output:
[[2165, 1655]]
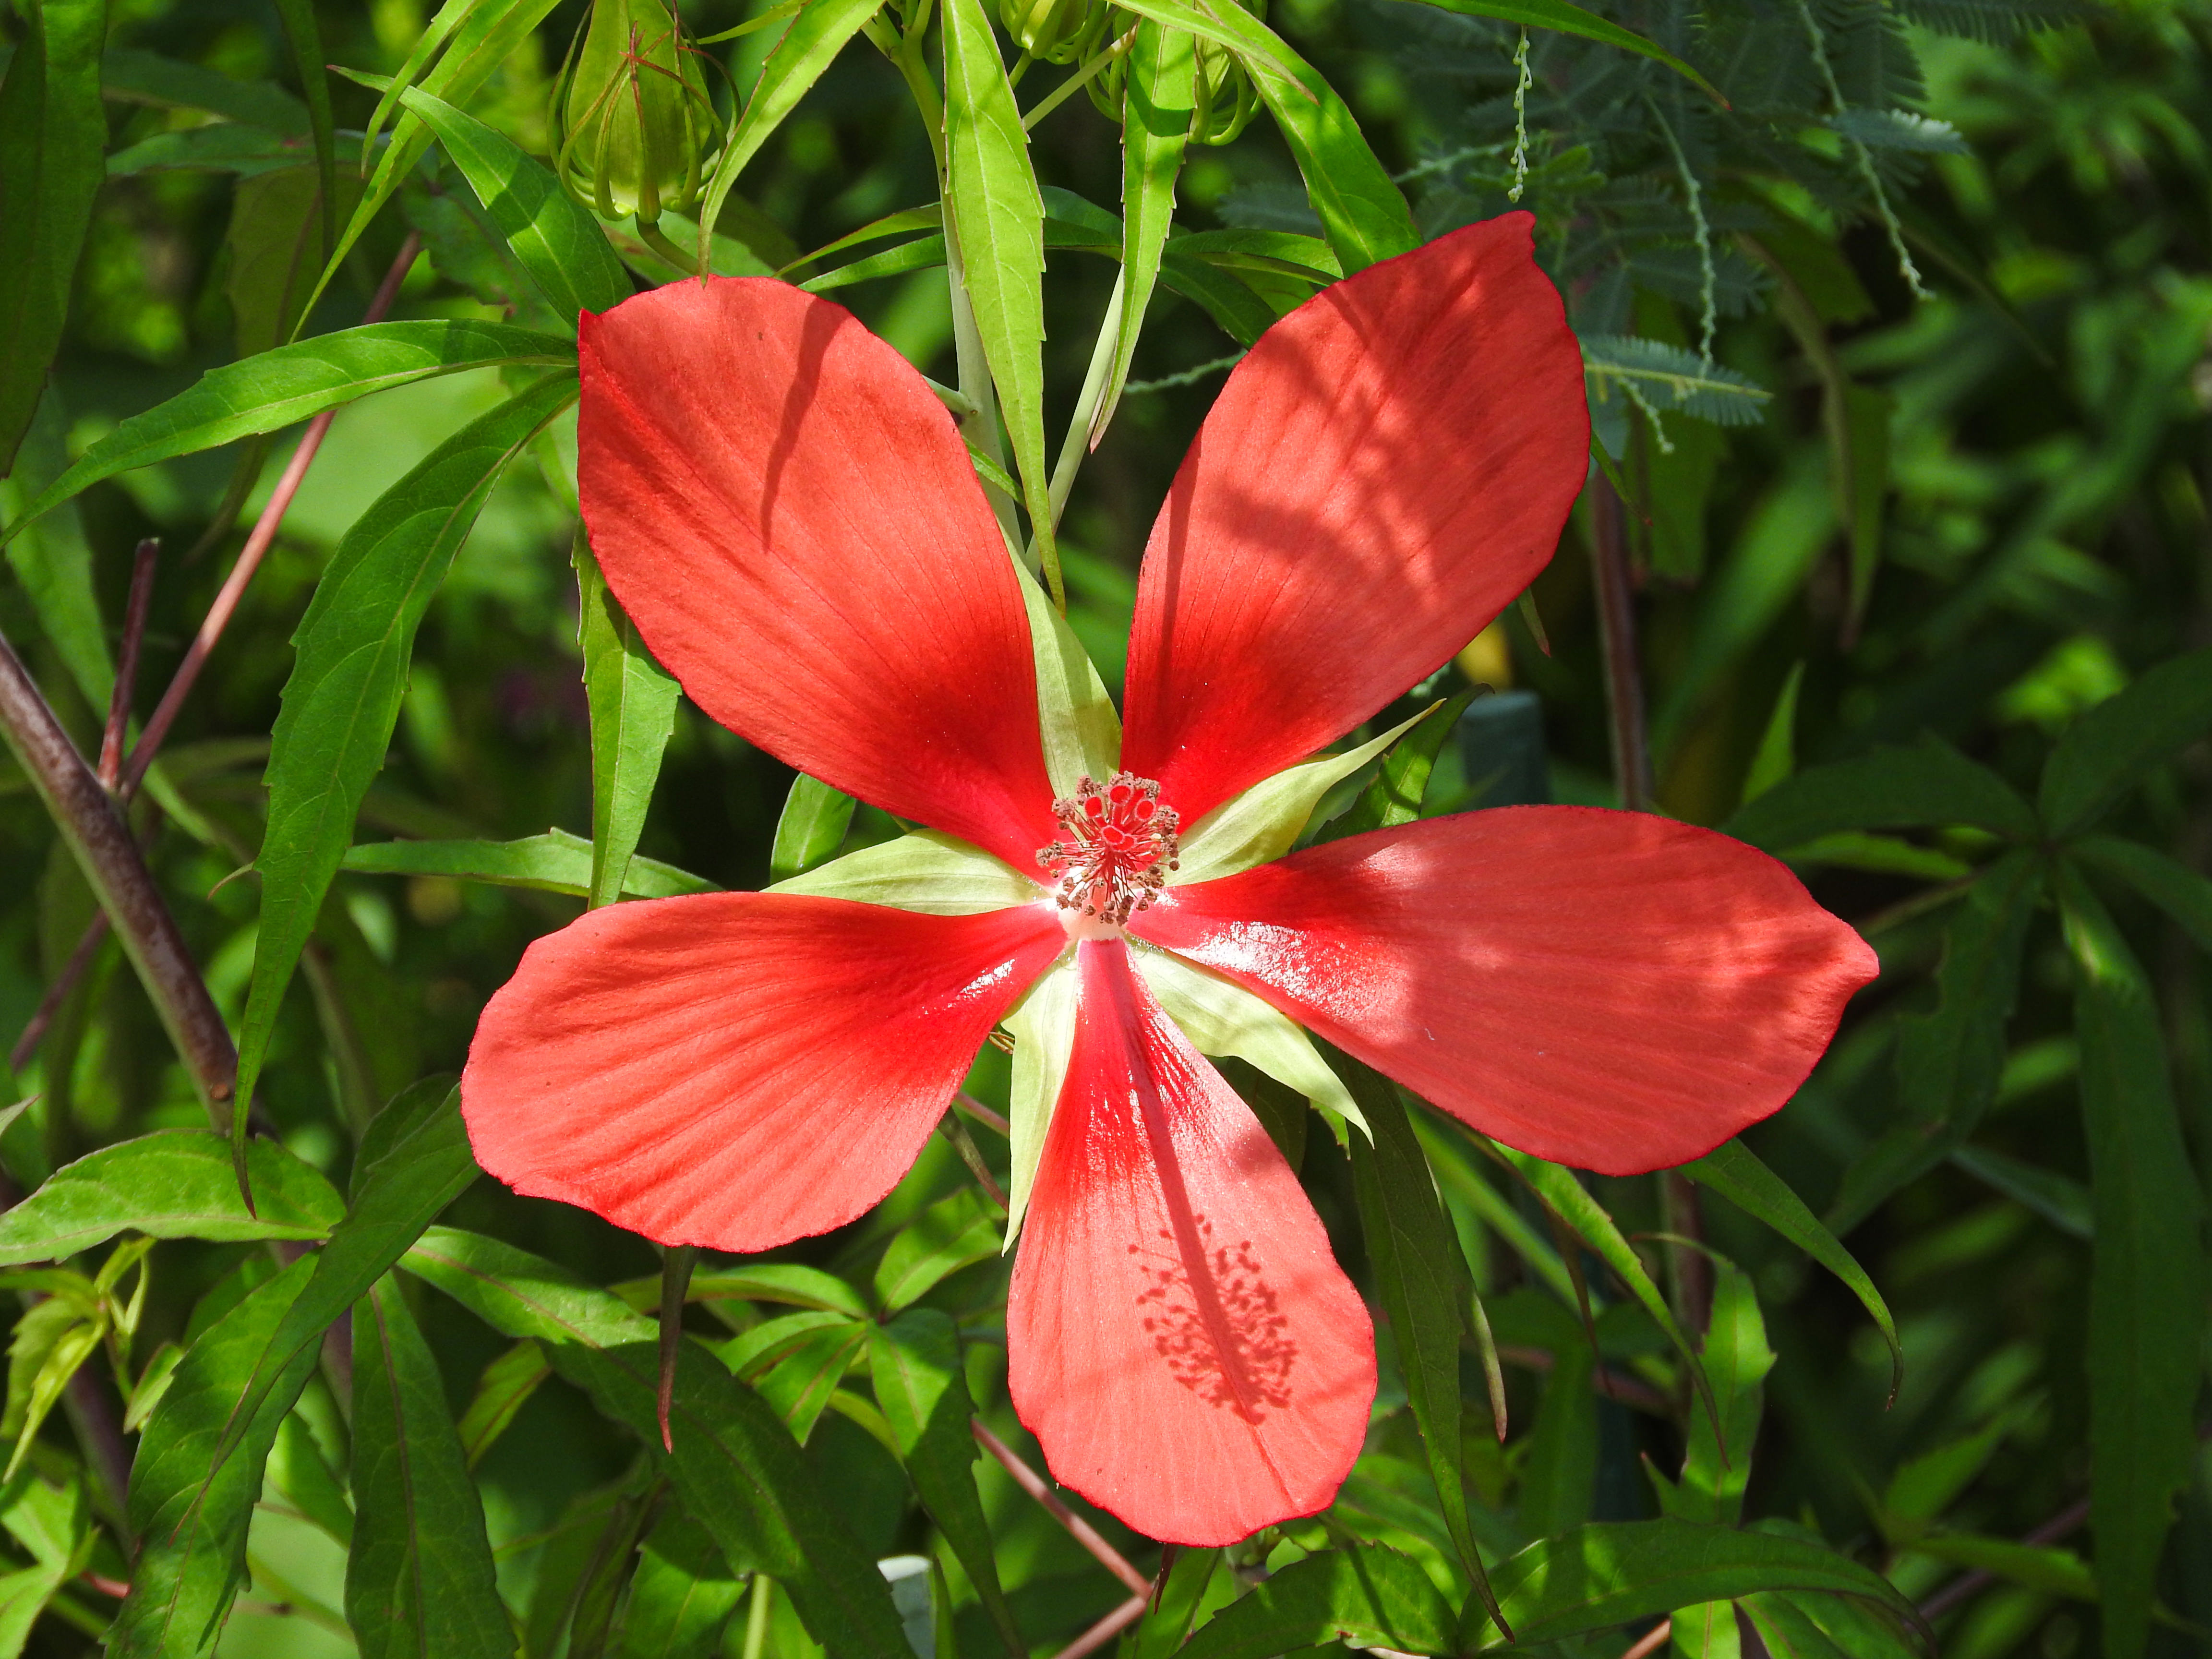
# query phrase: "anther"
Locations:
[[1121, 841]]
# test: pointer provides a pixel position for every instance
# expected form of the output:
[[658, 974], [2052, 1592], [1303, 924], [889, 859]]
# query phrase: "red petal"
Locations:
[[785, 510], [1606, 989], [1179, 1337], [738, 1069], [1391, 464]]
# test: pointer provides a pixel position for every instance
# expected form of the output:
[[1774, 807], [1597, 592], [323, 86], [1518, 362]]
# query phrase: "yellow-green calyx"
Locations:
[[634, 128]]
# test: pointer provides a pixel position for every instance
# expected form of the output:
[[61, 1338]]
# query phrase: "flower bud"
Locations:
[[1223, 95], [1055, 31], [633, 125]]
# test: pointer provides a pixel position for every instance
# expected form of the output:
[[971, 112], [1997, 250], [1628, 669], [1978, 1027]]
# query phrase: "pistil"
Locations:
[[1120, 844]]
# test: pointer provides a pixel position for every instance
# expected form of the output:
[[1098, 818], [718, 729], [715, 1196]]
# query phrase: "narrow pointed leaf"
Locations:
[[2147, 1282], [305, 37], [503, 1390], [633, 703], [342, 699], [554, 239], [419, 1579], [555, 862], [999, 218], [1362, 1594], [812, 828], [682, 1594], [735, 1466], [1564, 18], [1162, 68], [1402, 783], [948, 1236], [282, 388], [1734, 1170], [52, 131], [2183, 894], [53, 562]]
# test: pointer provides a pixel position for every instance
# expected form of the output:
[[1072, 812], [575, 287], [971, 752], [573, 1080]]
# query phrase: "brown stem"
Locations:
[[1078, 1528], [91, 824], [1692, 1272], [1624, 676], [250, 556], [80, 959], [1106, 1629], [126, 663]]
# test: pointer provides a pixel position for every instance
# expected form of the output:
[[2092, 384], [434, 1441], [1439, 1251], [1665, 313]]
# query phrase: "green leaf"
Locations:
[[282, 388], [1926, 1486], [190, 1505], [1736, 1358], [146, 77], [944, 1238], [1559, 1480], [2040, 1567], [2058, 1199], [350, 670], [1176, 1603], [503, 1389], [1665, 379], [276, 244], [2148, 1283], [1563, 1192], [812, 828], [1776, 757], [555, 862], [798, 1386], [174, 1183], [487, 37], [557, 242], [633, 703], [1241, 313], [780, 1281], [914, 1360], [1422, 1282], [200, 1462], [419, 1579], [305, 37], [1082, 733], [1734, 1170], [997, 218], [935, 873], [2115, 744], [1162, 64], [1929, 784], [51, 1338], [53, 562], [1402, 783], [1564, 18], [1948, 1060], [1361, 1593], [1362, 212], [52, 131], [299, 1471], [1608, 1573], [735, 1466], [680, 1596], [2176, 889], [819, 31]]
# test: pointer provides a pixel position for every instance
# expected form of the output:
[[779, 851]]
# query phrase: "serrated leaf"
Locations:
[[52, 131], [1929, 784], [1671, 379], [2147, 1282], [555, 240], [350, 673], [1734, 1170], [2115, 744], [174, 1183], [997, 218], [735, 1466], [956, 1231], [555, 862], [632, 700], [419, 1578], [282, 387], [811, 828]]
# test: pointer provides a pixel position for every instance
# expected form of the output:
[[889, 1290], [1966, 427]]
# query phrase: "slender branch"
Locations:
[[1691, 1271], [1651, 1641], [1078, 1528], [126, 664], [90, 822], [982, 1113], [257, 544], [1106, 1629], [42, 1016]]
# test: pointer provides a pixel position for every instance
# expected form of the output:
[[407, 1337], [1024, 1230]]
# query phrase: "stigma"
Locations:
[[1120, 843]]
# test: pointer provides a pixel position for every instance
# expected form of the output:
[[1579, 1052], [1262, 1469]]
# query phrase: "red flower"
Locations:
[[786, 512]]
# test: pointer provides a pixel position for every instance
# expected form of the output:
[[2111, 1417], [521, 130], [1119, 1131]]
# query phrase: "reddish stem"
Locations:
[[126, 664], [80, 959], [1078, 1528]]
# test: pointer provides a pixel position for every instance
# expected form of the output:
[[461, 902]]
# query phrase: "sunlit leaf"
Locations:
[[174, 1183]]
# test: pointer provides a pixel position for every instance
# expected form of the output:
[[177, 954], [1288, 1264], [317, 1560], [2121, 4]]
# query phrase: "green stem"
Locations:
[[1086, 408], [1075, 83]]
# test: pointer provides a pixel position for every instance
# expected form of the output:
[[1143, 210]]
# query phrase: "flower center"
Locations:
[[1120, 844]]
